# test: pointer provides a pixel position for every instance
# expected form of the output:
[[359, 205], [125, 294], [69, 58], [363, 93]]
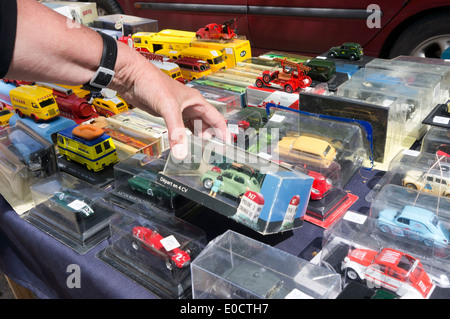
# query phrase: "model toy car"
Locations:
[[349, 50], [87, 145], [391, 269], [430, 182], [67, 202], [321, 70], [151, 241], [306, 150], [291, 78], [5, 115], [321, 185], [414, 222], [217, 31], [237, 180], [146, 184], [109, 106]]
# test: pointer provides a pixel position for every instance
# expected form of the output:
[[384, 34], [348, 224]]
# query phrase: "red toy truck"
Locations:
[[292, 77]]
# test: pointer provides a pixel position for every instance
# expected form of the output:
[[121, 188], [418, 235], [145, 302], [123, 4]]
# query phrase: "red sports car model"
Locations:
[[151, 241]]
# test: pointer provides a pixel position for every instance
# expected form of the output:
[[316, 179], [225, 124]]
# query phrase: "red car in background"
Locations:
[[384, 28]]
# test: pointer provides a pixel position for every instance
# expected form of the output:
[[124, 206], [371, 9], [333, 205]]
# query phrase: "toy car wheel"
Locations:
[[259, 83], [266, 78], [331, 55], [352, 274], [352, 57], [21, 115], [169, 265], [410, 186], [385, 229], [428, 242], [207, 183], [288, 88], [135, 245]]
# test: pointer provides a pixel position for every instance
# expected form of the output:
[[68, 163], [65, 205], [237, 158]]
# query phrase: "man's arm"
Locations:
[[51, 48]]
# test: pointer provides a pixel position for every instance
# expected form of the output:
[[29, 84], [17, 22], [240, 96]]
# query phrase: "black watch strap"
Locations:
[[105, 73]]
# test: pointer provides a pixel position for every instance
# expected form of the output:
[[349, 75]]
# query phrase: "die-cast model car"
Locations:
[[415, 223], [67, 202], [391, 269], [146, 184], [237, 180], [217, 31], [151, 241], [306, 150], [431, 182], [349, 50]]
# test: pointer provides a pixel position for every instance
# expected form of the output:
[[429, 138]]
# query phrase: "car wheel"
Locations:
[[332, 55], [352, 274], [428, 242], [352, 57], [207, 183], [266, 78], [426, 37], [410, 186], [385, 229], [169, 265], [135, 245], [288, 88], [106, 7], [259, 83]]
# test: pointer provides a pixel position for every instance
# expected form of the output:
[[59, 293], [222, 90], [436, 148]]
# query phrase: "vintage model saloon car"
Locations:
[[415, 223], [306, 150], [431, 182], [237, 180], [68, 202], [391, 269]]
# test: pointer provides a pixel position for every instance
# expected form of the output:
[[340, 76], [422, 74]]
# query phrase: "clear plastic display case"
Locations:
[[435, 138], [423, 171], [142, 124], [252, 190], [155, 251], [70, 210], [130, 24], [332, 148], [25, 158], [135, 181], [223, 100], [386, 252], [233, 266]]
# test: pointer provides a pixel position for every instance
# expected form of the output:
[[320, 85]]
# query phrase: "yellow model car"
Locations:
[[306, 150], [5, 115]]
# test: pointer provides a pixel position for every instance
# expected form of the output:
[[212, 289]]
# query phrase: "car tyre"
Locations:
[[259, 83], [428, 36], [410, 186], [385, 229], [207, 183], [352, 274], [106, 7]]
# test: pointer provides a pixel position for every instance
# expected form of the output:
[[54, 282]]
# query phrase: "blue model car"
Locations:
[[416, 223]]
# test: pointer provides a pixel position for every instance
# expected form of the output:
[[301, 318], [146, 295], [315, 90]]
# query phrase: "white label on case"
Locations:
[[356, 218], [77, 204], [297, 294], [277, 118], [170, 243], [441, 120]]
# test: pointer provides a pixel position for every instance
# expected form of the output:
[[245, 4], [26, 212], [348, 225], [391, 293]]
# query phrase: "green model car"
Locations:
[[147, 185], [349, 50], [237, 180]]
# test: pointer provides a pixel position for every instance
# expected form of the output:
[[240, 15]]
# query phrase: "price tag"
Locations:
[[169, 243], [77, 204]]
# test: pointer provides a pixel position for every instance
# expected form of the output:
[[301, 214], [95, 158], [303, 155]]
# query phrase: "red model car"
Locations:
[[384, 28], [391, 269], [292, 77], [217, 31], [151, 241], [321, 185]]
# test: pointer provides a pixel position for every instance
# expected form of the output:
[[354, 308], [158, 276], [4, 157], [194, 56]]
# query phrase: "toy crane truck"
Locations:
[[292, 77]]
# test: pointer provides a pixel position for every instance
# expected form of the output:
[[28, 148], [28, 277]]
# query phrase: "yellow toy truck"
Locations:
[[35, 102]]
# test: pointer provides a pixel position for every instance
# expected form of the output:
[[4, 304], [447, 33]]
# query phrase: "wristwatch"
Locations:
[[105, 73]]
